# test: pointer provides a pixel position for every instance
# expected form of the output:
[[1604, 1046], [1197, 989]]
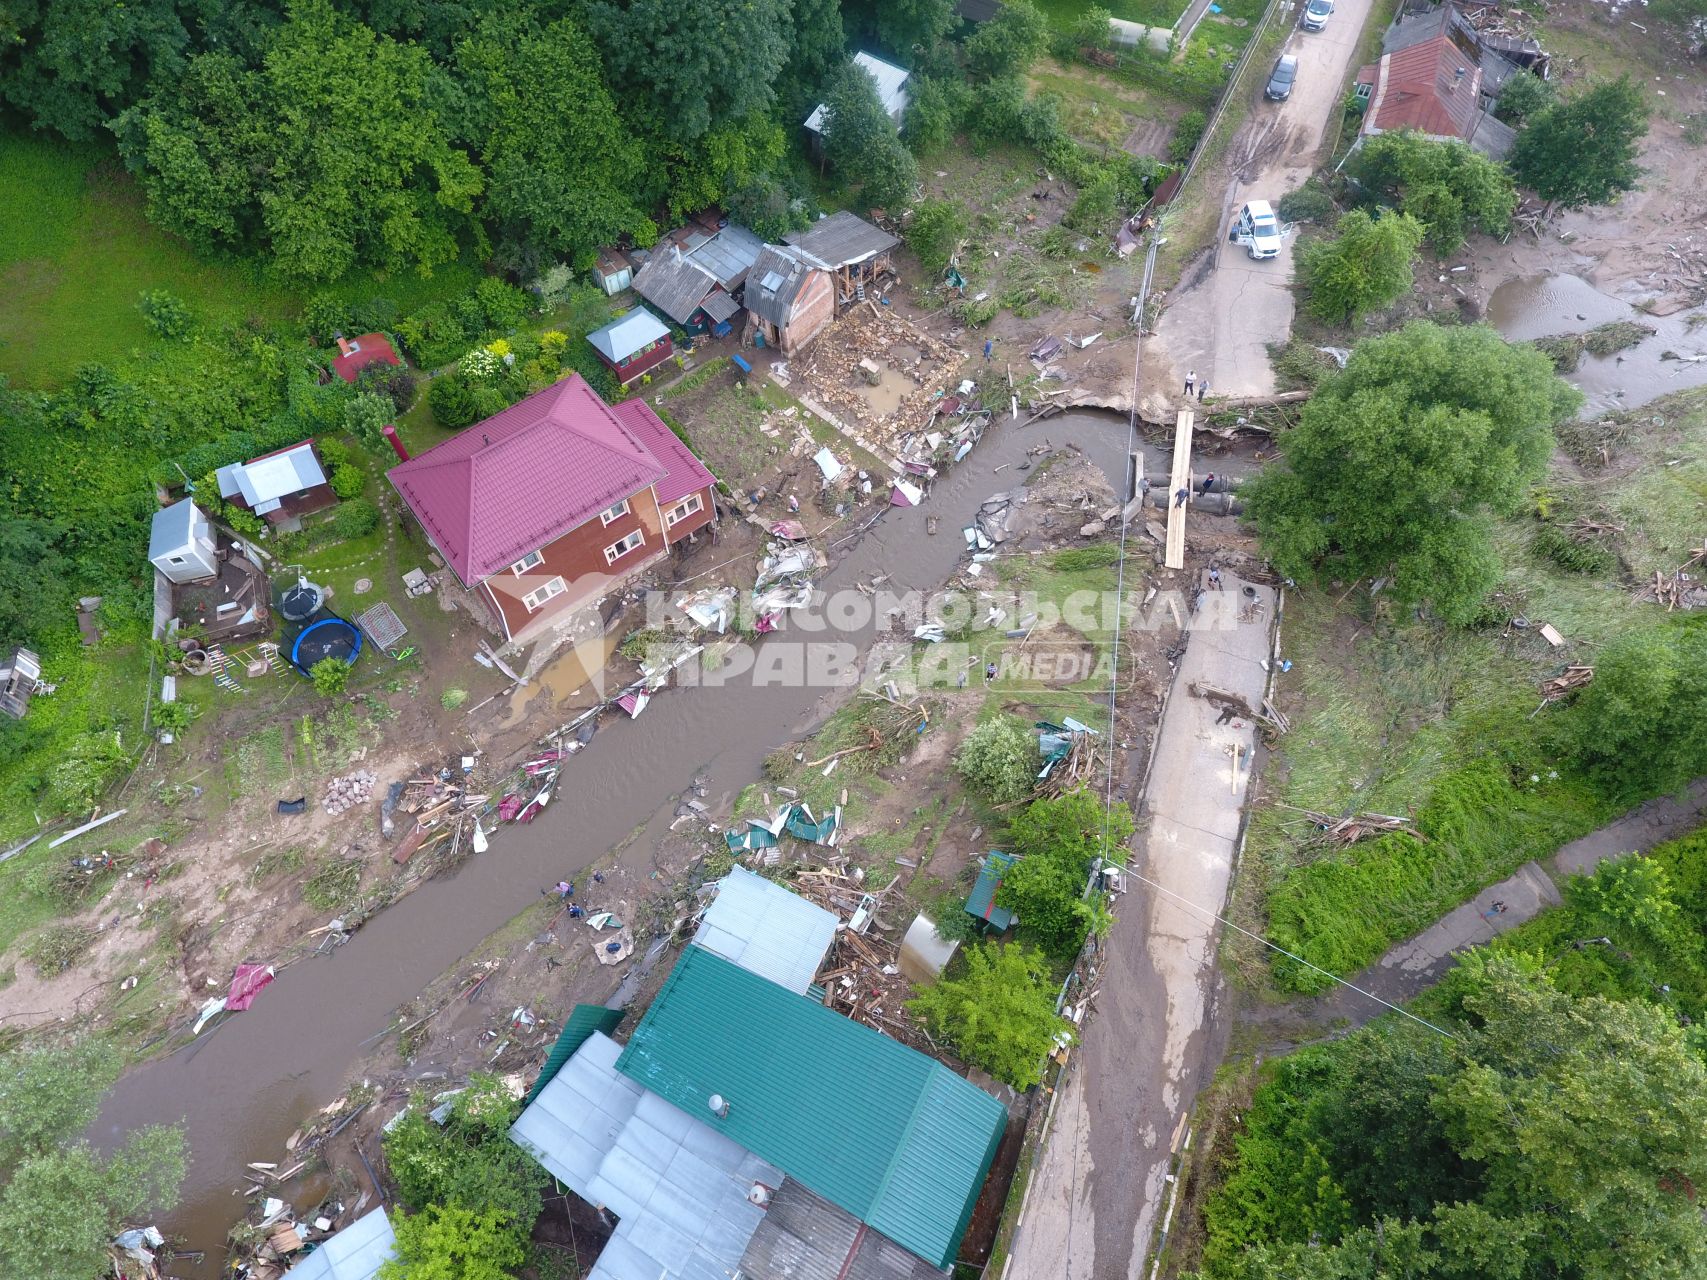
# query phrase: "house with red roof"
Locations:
[[354, 355], [1439, 76], [556, 501]]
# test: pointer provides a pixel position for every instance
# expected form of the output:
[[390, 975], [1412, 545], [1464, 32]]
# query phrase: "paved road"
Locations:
[[1221, 322], [1097, 1191]]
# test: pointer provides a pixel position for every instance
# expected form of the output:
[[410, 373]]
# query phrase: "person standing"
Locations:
[[989, 346], [1190, 380], [1202, 390]]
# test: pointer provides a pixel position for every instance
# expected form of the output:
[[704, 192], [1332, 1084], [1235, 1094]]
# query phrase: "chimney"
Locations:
[[719, 1106], [343, 343], [396, 443], [1458, 76]]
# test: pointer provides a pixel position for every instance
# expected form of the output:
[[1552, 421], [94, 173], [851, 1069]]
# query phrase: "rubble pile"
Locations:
[[829, 374], [343, 794]]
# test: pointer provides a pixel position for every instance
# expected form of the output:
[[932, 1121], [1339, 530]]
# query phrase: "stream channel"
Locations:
[[244, 1088]]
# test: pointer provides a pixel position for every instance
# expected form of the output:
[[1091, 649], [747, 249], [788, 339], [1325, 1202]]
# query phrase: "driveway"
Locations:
[[1097, 1193], [1221, 321]]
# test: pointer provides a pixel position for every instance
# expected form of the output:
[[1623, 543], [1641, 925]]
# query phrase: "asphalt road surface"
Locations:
[[1221, 322], [1098, 1190]]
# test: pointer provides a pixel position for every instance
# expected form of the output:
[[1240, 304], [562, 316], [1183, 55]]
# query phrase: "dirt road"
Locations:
[[1100, 1183], [1221, 321]]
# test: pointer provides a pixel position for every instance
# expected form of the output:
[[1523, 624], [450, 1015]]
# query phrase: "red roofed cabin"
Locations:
[[353, 357], [554, 502]]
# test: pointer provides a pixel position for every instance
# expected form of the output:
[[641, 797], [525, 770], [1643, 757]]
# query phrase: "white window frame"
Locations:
[[611, 514], [540, 596], [618, 549], [691, 505], [532, 560]]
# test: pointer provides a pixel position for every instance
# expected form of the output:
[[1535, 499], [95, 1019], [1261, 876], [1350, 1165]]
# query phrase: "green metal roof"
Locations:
[[981, 902], [584, 1019], [892, 1136]]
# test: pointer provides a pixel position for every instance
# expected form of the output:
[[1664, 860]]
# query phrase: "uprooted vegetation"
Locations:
[[1566, 350]]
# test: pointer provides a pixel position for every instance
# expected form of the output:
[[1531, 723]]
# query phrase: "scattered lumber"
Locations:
[[1353, 827]]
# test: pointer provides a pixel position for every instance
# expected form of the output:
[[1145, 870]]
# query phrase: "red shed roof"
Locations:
[[370, 348], [524, 477], [685, 473], [1420, 87]]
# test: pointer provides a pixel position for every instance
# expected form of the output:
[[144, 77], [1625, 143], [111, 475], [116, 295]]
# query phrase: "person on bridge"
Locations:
[[1190, 380], [1183, 496]]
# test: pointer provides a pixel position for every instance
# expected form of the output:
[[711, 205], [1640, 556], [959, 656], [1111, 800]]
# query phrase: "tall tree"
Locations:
[[861, 141], [1008, 43], [701, 65], [1446, 186], [1582, 151], [562, 169], [61, 1201], [1396, 462], [906, 28], [72, 65], [1365, 265], [815, 46]]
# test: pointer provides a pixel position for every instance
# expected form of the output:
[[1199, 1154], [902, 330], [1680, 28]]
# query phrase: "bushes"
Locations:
[[1000, 758], [470, 1162], [354, 518], [437, 334], [452, 401], [935, 233], [347, 481], [1368, 264], [165, 314], [1642, 725], [999, 1013], [1056, 841], [1308, 203], [1188, 132], [330, 676]]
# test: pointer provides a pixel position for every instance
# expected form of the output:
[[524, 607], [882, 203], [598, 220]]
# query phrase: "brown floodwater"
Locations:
[[241, 1090], [1546, 305]]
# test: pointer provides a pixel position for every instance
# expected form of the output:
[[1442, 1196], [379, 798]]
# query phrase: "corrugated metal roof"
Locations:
[[767, 930], [277, 475], [891, 82], [888, 1134], [841, 239], [524, 477], [627, 334], [584, 1020], [683, 472], [355, 1253], [728, 254], [805, 1237], [719, 306], [982, 900], [673, 283], [678, 1188], [775, 282], [172, 528]]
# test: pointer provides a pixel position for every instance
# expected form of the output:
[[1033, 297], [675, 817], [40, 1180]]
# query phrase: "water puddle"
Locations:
[[886, 396], [243, 1089], [1543, 306], [563, 677]]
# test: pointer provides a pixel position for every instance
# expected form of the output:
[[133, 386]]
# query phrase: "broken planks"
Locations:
[[1174, 552]]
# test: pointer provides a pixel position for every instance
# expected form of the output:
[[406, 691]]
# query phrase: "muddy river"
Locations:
[[1546, 305], [244, 1088]]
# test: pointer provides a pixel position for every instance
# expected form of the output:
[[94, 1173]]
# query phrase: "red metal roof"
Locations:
[[1419, 88], [685, 473], [524, 477], [370, 348]]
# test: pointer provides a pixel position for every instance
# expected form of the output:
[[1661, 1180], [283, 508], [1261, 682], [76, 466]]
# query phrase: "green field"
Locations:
[[76, 251]]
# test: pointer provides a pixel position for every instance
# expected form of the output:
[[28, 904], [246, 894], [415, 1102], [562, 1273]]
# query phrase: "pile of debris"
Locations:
[[1354, 827], [1270, 719], [440, 809], [1070, 756], [1572, 679], [1679, 589], [343, 794], [786, 579], [862, 976], [831, 372], [992, 525], [763, 835]]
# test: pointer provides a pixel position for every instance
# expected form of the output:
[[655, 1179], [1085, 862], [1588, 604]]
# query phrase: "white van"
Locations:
[[1257, 229]]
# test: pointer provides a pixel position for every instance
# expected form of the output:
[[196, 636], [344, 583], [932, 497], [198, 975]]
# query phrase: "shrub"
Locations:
[[1642, 724], [173, 717], [935, 233], [451, 401], [1000, 758], [330, 676], [394, 382], [1366, 265], [335, 880], [1097, 205], [333, 454], [1523, 96], [1056, 840], [470, 1161], [166, 314], [1188, 132], [354, 518], [1308, 203], [325, 314], [502, 305], [56, 949], [451, 699], [366, 415], [455, 1243], [347, 481], [999, 1014]]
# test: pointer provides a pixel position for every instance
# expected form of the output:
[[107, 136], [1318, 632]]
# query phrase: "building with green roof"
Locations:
[[886, 1133]]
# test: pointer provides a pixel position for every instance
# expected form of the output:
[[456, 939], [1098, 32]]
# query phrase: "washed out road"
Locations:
[[1221, 322], [1097, 1191]]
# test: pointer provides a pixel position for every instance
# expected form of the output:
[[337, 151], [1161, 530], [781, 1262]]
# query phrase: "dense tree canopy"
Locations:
[[1446, 186], [1367, 263], [860, 139], [998, 1013], [1396, 462], [73, 64], [1582, 150]]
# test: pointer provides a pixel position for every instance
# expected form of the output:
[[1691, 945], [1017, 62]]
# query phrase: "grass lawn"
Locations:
[[76, 252]]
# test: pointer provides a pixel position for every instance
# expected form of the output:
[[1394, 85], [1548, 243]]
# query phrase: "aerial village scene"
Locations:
[[853, 640]]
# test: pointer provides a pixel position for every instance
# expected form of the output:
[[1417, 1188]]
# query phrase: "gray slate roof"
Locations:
[[678, 1187], [728, 254], [767, 930], [169, 531], [627, 334], [842, 239], [719, 306], [776, 281], [355, 1253], [673, 283], [805, 1237]]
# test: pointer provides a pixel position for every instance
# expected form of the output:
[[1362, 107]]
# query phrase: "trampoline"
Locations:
[[301, 602], [329, 638]]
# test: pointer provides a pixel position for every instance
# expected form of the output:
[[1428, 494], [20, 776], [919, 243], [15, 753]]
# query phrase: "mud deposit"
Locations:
[[243, 1089], [1543, 306]]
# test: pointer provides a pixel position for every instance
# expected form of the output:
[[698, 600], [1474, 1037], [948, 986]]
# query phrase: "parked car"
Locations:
[[1316, 14], [1258, 229], [1280, 80]]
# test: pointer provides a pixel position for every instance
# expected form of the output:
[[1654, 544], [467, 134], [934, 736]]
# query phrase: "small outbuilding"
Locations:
[[633, 344], [851, 249], [19, 676], [891, 82], [767, 930], [613, 272], [790, 298], [283, 485], [357, 354], [981, 903], [181, 543]]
